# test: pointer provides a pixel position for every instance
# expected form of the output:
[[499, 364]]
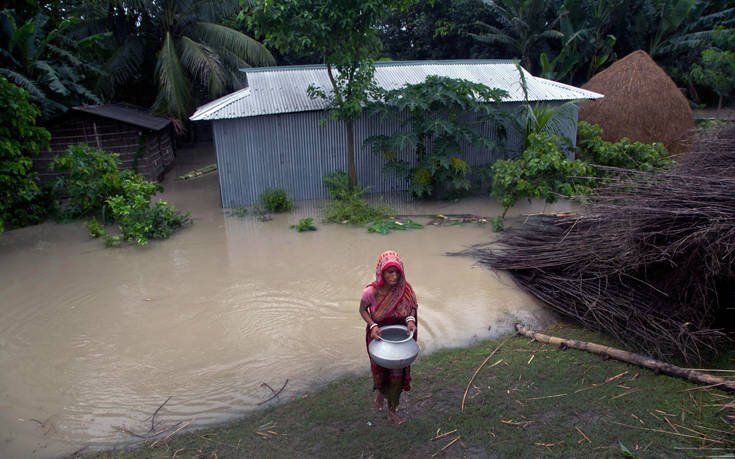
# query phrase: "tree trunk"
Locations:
[[636, 359], [351, 168]]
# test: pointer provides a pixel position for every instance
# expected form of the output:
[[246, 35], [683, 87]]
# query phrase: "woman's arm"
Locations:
[[365, 314]]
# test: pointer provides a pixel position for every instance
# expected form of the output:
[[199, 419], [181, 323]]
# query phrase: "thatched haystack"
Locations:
[[641, 103], [651, 260]]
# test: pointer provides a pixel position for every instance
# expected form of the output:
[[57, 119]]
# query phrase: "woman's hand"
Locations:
[[411, 325], [375, 332]]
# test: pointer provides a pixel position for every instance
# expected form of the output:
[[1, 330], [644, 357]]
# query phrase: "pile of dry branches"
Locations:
[[651, 261]]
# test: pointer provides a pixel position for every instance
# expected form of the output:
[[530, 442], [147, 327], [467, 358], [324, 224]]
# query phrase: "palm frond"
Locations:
[[204, 64], [24, 82], [221, 37], [50, 77], [125, 62], [174, 96], [85, 94]]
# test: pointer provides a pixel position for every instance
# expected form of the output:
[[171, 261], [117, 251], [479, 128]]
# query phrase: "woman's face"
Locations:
[[391, 276]]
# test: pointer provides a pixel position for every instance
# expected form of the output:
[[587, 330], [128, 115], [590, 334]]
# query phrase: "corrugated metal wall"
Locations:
[[294, 151]]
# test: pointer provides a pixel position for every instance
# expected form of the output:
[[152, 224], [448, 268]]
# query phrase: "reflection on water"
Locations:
[[93, 339]]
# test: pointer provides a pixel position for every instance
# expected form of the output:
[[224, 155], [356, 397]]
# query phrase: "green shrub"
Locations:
[[96, 186], [346, 205], [623, 154], [276, 200], [542, 172], [91, 177], [22, 201], [138, 221]]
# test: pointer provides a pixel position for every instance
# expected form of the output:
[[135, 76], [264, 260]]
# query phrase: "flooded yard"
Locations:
[[93, 339]]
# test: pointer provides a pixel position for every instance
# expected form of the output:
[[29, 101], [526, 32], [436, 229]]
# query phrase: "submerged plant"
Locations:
[[305, 224], [385, 226], [276, 200], [346, 204]]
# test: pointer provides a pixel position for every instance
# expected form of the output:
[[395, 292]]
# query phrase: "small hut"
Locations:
[[641, 103], [143, 141]]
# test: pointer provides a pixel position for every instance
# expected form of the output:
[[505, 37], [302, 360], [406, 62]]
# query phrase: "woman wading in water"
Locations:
[[389, 300]]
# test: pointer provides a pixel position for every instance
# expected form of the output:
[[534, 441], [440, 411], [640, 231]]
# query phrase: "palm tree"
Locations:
[[524, 25], [195, 48], [196, 57]]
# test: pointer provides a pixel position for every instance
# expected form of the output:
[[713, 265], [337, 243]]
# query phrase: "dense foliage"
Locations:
[[565, 40], [346, 205], [39, 55], [96, 186], [623, 154], [545, 171], [436, 125], [716, 70], [22, 202]]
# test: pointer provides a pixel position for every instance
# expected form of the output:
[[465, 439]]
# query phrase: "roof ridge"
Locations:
[[286, 68]]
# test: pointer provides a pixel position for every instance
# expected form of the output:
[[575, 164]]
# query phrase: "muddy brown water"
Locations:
[[93, 340]]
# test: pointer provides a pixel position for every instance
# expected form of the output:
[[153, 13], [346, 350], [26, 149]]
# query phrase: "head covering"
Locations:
[[400, 301]]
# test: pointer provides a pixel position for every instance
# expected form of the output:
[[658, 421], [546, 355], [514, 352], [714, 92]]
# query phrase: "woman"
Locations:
[[389, 300]]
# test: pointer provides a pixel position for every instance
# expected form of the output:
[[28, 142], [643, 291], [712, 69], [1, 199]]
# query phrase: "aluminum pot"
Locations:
[[395, 348]]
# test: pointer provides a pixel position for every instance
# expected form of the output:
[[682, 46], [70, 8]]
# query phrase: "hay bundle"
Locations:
[[651, 261], [641, 103]]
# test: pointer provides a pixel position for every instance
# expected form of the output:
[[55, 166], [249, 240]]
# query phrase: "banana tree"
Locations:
[[46, 61]]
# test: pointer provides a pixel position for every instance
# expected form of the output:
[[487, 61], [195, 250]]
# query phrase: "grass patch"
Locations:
[[538, 401]]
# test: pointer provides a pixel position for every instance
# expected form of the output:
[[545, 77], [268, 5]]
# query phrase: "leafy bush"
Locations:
[[542, 172], [22, 202], [623, 154], [346, 205], [138, 221], [276, 200], [91, 177], [305, 224], [95, 185]]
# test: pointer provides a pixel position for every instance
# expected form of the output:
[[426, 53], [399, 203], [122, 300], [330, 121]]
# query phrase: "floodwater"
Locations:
[[93, 339]]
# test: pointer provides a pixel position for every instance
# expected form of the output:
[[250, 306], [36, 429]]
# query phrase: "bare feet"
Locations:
[[393, 416], [379, 401]]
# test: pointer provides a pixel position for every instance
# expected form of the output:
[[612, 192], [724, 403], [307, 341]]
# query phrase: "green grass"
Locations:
[[537, 401]]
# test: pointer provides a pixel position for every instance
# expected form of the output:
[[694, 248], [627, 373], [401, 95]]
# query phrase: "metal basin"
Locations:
[[395, 349]]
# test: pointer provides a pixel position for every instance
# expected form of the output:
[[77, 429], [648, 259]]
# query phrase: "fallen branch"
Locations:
[[275, 394], [630, 357], [478, 370], [171, 434], [447, 446]]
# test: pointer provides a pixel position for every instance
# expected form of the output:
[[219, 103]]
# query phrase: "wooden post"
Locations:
[[636, 359]]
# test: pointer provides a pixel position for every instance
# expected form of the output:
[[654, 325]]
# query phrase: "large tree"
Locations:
[[183, 45], [344, 32]]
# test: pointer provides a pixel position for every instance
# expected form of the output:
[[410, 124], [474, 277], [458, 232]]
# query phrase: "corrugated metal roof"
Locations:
[[126, 114], [273, 90]]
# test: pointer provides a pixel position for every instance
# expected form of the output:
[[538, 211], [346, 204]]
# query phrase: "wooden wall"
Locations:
[[112, 136]]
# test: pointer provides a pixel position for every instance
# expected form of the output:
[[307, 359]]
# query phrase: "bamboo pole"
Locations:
[[630, 357]]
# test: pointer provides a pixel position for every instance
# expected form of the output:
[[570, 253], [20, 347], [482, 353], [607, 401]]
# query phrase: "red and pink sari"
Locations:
[[399, 303]]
